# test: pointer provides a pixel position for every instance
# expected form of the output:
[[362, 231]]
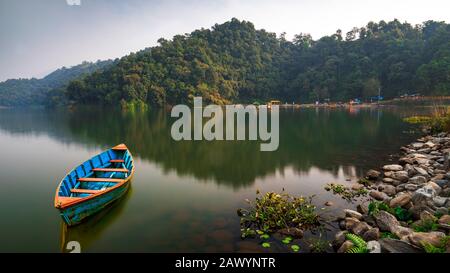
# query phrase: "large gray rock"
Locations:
[[374, 247], [401, 176], [350, 222], [442, 183], [416, 210], [352, 214], [388, 189], [402, 232], [345, 246], [421, 171], [400, 201], [389, 180], [429, 144], [371, 234], [400, 188], [397, 246], [418, 180], [363, 207], [360, 228], [427, 216], [435, 186], [421, 238], [444, 220], [423, 194], [377, 195], [439, 201], [410, 187], [417, 145], [373, 175], [386, 221], [339, 239], [406, 160], [393, 167]]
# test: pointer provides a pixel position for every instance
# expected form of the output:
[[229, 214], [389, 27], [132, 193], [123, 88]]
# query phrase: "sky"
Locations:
[[39, 36]]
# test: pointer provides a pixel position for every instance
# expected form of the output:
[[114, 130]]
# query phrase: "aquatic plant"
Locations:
[[417, 119], [265, 244], [360, 244], [287, 240], [318, 245], [275, 211], [364, 181], [295, 248], [345, 192], [438, 121]]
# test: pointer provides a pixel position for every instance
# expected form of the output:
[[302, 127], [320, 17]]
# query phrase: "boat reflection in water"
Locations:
[[92, 228]]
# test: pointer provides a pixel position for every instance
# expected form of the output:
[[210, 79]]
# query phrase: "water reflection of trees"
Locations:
[[327, 139]]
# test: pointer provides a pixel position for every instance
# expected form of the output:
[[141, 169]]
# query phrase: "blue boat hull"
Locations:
[[75, 214]]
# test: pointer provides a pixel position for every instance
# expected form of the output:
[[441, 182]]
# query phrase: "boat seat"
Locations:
[[84, 191], [119, 170], [94, 179], [66, 199], [117, 161], [120, 147]]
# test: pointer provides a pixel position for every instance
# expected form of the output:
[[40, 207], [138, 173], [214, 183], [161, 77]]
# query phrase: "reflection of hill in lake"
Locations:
[[327, 139]]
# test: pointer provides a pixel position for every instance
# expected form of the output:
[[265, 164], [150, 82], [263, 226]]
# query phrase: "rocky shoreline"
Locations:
[[410, 202]]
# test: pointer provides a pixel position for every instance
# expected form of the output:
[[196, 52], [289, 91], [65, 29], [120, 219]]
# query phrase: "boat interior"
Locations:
[[97, 174]]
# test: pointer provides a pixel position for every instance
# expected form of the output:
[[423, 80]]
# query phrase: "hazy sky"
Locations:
[[39, 36]]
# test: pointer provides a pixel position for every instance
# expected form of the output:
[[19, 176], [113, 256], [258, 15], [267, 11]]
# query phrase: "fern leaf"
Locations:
[[356, 240]]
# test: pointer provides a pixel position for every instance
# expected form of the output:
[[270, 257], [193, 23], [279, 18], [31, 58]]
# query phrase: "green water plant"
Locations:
[[364, 181], [318, 245], [360, 246], [345, 192], [287, 240], [266, 245], [295, 248], [271, 212]]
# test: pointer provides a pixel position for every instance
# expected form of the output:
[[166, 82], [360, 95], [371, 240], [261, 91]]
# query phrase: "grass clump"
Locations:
[[417, 119], [318, 245], [345, 192], [437, 121], [272, 211], [426, 225], [388, 235], [399, 212], [429, 248]]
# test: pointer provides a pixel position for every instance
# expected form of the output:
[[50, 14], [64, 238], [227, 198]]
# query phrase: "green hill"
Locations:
[[234, 62], [26, 92]]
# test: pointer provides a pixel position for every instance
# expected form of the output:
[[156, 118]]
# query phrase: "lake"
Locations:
[[184, 195]]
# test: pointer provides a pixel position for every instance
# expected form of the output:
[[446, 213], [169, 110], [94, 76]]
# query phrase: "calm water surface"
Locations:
[[184, 195]]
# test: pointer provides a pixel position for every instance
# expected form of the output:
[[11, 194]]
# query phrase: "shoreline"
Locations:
[[410, 203]]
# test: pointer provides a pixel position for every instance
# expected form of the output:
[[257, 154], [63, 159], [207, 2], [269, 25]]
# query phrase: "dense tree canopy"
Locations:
[[25, 92], [234, 62]]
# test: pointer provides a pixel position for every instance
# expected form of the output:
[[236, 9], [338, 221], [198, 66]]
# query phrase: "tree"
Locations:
[[371, 87]]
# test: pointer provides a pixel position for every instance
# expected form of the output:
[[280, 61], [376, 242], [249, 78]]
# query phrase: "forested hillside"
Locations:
[[45, 91], [234, 62]]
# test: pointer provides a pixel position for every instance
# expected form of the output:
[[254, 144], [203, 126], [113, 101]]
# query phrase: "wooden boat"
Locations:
[[94, 184]]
